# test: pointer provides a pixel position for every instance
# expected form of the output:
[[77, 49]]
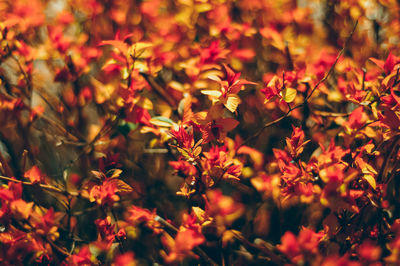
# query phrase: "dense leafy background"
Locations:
[[191, 131]]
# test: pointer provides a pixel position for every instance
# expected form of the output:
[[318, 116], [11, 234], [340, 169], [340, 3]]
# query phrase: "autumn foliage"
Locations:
[[195, 132]]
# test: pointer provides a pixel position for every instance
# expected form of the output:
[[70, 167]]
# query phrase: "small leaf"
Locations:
[[145, 103], [368, 169], [371, 180], [98, 175], [124, 73], [123, 187], [113, 173], [288, 94], [183, 152], [378, 62], [229, 236], [232, 103], [139, 47], [214, 77], [199, 213], [197, 151], [161, 121], [212, 93]]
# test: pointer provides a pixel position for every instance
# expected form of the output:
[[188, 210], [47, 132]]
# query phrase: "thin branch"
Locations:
[[158, 89], [383, 170], [4, 165], [263, 249], [330, 114], [43, 186]]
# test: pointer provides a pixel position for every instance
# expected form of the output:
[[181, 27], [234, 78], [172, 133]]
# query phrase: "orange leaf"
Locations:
[[22, 208], [34, 175]]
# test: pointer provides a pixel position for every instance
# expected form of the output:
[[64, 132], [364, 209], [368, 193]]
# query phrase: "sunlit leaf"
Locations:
[[232, 103], [371, 180], [288, 94], [212, 93]]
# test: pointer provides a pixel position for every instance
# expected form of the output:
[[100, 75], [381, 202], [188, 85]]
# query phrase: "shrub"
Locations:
[[199, 132]]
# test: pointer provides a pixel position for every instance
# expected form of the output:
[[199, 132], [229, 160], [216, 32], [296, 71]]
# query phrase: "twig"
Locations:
[[26, 76], [383, 170], [121, 246], [159, 89], [43, 186], [289, 57], [4, 165], [274, 257], [330, 114], [166, 224]]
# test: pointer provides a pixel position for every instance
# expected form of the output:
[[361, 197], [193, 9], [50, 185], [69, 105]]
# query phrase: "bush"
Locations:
[[199, 132]]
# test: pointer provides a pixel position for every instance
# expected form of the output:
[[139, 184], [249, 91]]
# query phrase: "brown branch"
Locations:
[[383, 170], [330, 114], [158, 89], [43, 186], [26, 77], [263, 249], [4, 165], [59, 249]]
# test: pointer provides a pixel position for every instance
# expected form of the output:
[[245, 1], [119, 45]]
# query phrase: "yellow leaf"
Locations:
[[214, 77], [204, 7], [176, 86], [200, 213], [335, 96], [212, 93], [232, 103], [141, 65], [102, 92], [122, 186], [139, 46], [197, 151], [124, 73], [368, 169], [114, 173], [288, 94], [369, 147], [183, 152], [140, 50], [371, 180], [21, 208], [229, 236], [145, 103], [98, 175]]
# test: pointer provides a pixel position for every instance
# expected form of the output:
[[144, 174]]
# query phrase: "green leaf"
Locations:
[[125, 127], [161, 121]]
